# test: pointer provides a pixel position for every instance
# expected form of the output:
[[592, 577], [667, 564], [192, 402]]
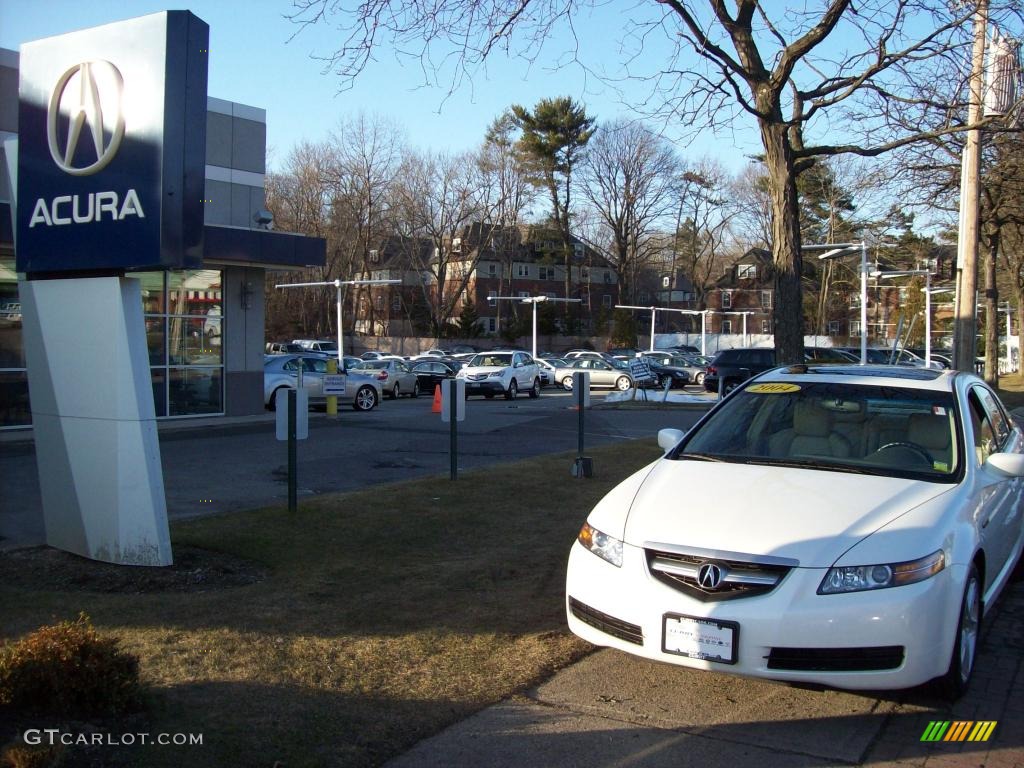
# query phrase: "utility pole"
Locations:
[[965, 323]]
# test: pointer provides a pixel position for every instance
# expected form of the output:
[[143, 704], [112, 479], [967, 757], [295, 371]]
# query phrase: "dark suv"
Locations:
[[734, 366]]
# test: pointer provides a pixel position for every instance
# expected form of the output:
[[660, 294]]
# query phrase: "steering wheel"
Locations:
[[918, 449]]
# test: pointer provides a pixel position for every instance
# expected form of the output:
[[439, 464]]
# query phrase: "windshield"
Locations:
[[491, 360], [847, 427], [372, 365]]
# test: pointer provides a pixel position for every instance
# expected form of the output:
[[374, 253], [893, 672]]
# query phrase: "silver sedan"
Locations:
[[603, 374], [281, 373], [394, 374]]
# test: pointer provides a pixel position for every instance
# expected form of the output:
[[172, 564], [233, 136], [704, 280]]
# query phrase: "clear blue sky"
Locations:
[[256, 58]]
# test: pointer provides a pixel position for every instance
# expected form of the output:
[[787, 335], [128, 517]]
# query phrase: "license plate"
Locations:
[[698, 638]]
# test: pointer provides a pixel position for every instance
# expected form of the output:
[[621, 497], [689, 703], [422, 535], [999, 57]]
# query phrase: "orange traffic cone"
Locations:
[[437, 399]]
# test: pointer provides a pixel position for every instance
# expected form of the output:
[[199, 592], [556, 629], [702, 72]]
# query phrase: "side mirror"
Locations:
[[1009, 464], [669, 438]]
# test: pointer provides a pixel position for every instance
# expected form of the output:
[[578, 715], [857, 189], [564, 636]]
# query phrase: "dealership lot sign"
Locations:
[[112, 147]]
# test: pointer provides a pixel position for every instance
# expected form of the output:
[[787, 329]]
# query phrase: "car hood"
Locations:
[[811, 516], [483, 369]]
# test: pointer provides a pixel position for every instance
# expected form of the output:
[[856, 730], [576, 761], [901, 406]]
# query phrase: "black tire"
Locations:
[[415, 390], [272, 405], [513, 390], [395, 392], [623, 383], [535, 389], [567, 383], [699, 379], [365, 399], [955, 682]]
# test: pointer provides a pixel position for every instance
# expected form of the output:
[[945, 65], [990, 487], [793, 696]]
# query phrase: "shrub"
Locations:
[[19, 756], [67, 669]]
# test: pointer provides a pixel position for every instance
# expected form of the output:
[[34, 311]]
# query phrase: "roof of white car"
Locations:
[[870, 375]]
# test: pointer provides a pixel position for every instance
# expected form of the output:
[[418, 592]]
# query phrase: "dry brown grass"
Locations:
[[388, 614]]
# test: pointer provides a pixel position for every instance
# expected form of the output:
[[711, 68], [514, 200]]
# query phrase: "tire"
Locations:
[[567, 383], [955, 682], [365, 399], [513, 390], [272, 405], [535, 389], [699, 379], [395, 392], [623, 383], [415, 390]]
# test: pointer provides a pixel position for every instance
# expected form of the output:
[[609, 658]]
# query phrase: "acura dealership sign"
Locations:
[[112, 147]]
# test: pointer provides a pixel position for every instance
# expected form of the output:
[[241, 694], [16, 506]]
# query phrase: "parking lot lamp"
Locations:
[[534, 300], [836, 251], [337, 285], [654, 313], [927, 303]]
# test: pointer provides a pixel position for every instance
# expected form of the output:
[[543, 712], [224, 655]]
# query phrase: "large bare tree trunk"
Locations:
[[788, 315]]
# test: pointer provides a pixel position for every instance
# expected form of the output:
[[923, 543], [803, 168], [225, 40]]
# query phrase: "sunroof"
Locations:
[[878, 371]]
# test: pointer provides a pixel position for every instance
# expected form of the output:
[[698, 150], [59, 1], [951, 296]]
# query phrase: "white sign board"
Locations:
[[640, 370], [301, 415], [334, 383], [446, 399], [581, 384]]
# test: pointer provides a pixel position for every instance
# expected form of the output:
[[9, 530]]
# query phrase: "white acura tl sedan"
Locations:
[[848, 526]]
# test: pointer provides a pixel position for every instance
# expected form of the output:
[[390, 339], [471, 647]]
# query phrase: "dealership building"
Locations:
[[204, 325]]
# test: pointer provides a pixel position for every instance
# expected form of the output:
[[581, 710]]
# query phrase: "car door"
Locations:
[[997, 497], [602, 374], [313, 370]]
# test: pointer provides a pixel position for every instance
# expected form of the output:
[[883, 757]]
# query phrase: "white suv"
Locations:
[[501, 373]]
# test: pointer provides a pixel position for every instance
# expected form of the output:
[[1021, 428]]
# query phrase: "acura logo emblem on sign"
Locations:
[[709, 575], [89, 98]]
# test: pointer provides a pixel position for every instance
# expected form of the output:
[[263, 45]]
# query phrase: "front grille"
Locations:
[[836, 659], [477, 376], [623, 630], [740, 578]]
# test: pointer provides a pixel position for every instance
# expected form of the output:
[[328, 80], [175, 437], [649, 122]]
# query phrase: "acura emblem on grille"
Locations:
[[709, 575]]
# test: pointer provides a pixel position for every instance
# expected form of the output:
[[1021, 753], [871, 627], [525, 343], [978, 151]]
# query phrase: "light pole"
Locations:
[[653, 313], [744, 314], [534, 300], [836, 251], [337, 284], [927, 303]]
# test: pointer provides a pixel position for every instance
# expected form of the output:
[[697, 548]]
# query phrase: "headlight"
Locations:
[[495, 374], [601, 544], [857, 578]]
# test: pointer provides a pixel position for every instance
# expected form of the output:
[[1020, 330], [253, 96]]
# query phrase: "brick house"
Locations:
[[747, 289]]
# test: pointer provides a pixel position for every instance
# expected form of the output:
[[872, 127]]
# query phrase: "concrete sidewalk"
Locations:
[[613, 710]]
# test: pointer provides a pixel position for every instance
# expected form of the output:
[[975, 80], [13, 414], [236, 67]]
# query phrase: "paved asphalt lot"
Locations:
[[223, 465], [610, 710]]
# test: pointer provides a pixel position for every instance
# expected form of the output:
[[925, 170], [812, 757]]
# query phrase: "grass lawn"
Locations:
[[386, 615]]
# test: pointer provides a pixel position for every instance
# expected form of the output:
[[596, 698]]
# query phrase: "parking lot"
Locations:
[[221, 465], [610, 709]]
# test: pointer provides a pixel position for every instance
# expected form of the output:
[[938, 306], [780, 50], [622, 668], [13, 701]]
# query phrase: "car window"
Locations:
[[984, 435], [1000, 424], [868, 429], [291, 365]]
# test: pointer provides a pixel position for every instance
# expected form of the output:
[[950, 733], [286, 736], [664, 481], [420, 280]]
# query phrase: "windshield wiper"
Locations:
[[702, 457], [807, 463]]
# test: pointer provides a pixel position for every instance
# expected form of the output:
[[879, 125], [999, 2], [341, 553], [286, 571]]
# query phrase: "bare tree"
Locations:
[[299, 198], [706, 210], [815, 79], [441, 196], [504, 167], [367, 152], [628, 177]]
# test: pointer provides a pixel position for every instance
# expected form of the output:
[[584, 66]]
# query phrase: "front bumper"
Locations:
[[485, 387], [885, 639]]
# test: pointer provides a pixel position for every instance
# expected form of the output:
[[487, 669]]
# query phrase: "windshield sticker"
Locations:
[[773, 389], [938, 410]]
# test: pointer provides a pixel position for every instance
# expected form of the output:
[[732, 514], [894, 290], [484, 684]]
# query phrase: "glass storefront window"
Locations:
[[194, 292], [195, 390], [183, 316], [14, 408], [194, 341]]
